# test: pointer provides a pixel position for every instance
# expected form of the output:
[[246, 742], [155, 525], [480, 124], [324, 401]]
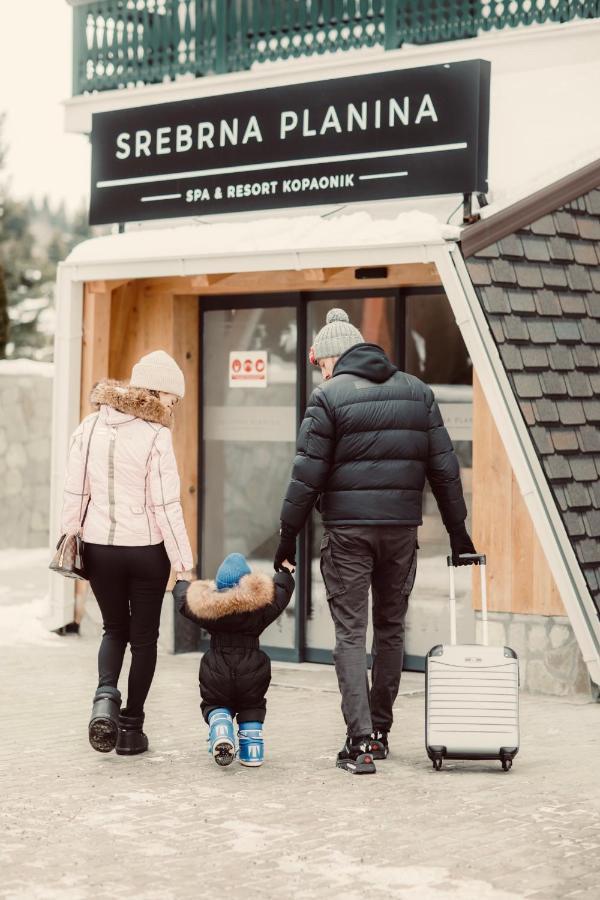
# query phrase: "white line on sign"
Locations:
[[383, 175], [161, 197], [283, 164]]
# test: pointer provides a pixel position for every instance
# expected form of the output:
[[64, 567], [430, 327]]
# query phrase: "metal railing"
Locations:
[[121, 43]]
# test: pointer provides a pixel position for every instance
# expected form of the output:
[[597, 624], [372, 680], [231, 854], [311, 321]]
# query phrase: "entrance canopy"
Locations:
[[312, 253], [299, 242]]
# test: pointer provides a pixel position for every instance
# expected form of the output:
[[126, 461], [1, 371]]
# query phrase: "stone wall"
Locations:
[[550, 661], [25, 430]]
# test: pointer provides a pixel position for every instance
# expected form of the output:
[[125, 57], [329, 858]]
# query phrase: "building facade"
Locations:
[[490, 294]]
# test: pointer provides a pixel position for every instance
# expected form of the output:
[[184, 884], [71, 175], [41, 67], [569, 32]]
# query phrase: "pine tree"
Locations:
[[34, 238], [3, 316]]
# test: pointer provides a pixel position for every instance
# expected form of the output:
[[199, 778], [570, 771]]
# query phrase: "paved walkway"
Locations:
[[170, 825]]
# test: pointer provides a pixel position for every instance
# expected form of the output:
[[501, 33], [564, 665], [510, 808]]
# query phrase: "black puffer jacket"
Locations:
[[235, 673], [370, 437]]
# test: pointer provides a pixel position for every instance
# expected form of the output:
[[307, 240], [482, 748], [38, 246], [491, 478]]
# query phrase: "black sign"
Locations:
[[404, 133]]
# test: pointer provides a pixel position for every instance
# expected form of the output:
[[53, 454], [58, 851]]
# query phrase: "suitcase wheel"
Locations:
[[437, 763], [506, 764]]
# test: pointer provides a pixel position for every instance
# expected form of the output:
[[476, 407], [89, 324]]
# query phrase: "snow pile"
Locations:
[[23, 598], [502, 199], [26, 367], [312, 232], [24, 623]]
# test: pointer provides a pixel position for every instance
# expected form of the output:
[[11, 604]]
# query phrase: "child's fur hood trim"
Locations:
[[253, 592], [133, 401]]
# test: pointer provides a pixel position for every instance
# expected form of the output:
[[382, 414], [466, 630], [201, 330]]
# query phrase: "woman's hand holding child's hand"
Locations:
[[184, 576]]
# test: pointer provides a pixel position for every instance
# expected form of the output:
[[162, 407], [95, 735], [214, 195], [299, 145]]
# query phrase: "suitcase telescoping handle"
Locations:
[[477, 559]]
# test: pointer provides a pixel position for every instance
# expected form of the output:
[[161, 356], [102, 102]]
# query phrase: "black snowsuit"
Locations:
[[370, 438], [235, 673]]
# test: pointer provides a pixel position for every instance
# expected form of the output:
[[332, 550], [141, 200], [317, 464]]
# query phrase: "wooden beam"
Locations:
[[106, 287], [404, 275], [199, 281], [205, 281], [314, 274]]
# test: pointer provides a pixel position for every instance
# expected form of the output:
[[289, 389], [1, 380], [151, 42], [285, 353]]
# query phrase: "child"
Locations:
[[235, 674]]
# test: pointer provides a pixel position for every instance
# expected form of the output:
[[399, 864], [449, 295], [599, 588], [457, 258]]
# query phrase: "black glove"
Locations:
[[180, 590], [460, 542], [286, 549]]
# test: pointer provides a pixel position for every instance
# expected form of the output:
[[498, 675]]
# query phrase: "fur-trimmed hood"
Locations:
[[132, 401], [253, 592]]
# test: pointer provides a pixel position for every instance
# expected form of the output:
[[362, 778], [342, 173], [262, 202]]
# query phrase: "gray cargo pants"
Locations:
[[353, 559]]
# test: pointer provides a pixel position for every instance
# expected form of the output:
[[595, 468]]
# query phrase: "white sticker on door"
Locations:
[[248, 369]]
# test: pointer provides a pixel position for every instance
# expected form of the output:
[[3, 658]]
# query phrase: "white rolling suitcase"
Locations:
[[471, 694]]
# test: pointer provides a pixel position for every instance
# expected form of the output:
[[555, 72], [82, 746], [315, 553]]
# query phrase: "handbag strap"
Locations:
[[85, 468]]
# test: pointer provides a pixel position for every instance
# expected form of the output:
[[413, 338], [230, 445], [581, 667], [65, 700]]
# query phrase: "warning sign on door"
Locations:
[[248, 368]]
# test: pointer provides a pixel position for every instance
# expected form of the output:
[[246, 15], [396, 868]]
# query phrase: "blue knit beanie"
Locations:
[[231, 570]]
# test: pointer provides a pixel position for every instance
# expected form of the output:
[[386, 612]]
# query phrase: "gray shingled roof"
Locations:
[[540, 291]]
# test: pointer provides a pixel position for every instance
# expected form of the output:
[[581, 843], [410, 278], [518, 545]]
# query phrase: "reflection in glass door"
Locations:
[[249, 434]]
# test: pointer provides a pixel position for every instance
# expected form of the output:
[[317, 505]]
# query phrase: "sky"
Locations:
[[35, 77]]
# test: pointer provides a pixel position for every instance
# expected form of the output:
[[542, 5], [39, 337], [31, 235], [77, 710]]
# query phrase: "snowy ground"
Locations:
[[78, 825], [24, 578]]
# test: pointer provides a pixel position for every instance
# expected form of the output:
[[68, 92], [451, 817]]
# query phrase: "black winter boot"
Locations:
[[132, 739], [104, 721], [356, 757], [379, 745]]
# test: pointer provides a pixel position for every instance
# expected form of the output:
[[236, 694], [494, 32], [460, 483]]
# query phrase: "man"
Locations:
[[370, 438]]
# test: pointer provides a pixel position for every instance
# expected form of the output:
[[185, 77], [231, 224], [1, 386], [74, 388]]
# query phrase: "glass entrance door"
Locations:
[[249, 423], [255, 387]]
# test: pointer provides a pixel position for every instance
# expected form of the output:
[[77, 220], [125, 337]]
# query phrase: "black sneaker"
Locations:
[[379, 745], [356, 757]]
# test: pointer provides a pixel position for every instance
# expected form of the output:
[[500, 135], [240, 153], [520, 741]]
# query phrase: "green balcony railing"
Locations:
[[120, 43]]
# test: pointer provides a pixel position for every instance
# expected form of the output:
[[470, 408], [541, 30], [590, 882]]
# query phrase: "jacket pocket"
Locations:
[[135, 520], [334, 585]]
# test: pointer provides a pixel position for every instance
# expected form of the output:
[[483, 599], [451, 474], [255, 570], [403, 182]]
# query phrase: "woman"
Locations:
[[122, 489]]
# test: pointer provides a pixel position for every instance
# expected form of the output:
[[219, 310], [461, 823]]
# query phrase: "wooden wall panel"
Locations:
[[95, 343], [140, 323], [145, 320], [522, 555], [122, 325], [519, 578], [491, 514]]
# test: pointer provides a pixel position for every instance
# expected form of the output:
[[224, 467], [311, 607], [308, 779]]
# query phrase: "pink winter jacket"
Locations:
[[131, 480]]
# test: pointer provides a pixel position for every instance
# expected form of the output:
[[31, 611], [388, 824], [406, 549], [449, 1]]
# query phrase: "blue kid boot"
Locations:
[[252, 745], [221, 738]]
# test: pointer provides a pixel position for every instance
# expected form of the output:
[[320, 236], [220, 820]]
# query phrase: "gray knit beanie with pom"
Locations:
[[337, 336]]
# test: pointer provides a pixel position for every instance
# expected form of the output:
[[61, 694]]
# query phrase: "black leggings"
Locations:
[[129, 584]]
